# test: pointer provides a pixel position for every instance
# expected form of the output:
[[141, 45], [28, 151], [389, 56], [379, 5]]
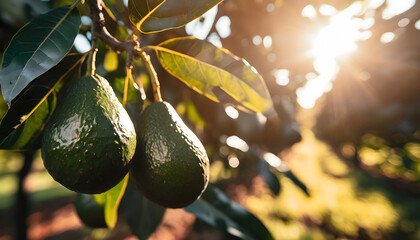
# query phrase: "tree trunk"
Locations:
[[21, 207]]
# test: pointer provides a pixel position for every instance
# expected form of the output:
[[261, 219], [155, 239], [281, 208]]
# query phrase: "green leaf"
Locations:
[[269, 177], [218, 210], [207, 69], [111, 200], [26, 118], [24, 136], [143, 216], [290, 175], [111, 7], [37, 47], [158, 15]]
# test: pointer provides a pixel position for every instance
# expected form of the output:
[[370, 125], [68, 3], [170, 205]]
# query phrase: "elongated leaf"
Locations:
[[207, 69], [269, 177], [290, 175], [25, 136], [158, 15], [218, 210], [17, 130], [111, 200], [143, 216], [111, 7], [37, 47]]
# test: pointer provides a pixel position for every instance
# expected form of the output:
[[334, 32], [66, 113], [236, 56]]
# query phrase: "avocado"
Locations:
[[89, 141], [89, 211], [170, 167]]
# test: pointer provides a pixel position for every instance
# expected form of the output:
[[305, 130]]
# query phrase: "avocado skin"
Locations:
[[89, 141], [89, 211], [170, 167]]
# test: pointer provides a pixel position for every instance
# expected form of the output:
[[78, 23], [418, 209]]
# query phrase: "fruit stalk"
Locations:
[[128, 76], [153, 76], [91, 67], [96, 12]]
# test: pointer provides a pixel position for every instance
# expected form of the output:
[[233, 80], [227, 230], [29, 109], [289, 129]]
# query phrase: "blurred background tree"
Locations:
[[343, 162]]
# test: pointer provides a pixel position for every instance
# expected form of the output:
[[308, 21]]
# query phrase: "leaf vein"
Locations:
[[42, 43]]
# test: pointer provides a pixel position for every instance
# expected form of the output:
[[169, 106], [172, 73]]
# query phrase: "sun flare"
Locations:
[[336, 40]]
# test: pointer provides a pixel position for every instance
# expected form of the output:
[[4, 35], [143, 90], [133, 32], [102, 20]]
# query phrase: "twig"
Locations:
[[127, 79], [99, 31], [131, 46], [153, 76]]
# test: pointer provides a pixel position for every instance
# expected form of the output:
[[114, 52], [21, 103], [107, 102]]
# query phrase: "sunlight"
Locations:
[[339, 39], [272, 159], [282, 76], [200, 27], [231, 112], [238, 143], [223, 26], [336, 40], [233, 161], [387, 37], [395, 7], [309, 11]]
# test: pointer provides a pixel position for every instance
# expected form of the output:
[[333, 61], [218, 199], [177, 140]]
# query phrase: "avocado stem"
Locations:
[[91, 67], [153, 76], [128, 76]]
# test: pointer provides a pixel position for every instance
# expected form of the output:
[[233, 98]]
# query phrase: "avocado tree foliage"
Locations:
[[41, 63]]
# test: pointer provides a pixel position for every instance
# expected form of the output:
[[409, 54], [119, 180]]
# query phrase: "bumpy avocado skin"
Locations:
[[170, 166], [89, 141], [89, 211]]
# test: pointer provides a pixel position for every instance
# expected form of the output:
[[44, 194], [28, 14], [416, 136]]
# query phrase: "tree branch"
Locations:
[[99, 31]]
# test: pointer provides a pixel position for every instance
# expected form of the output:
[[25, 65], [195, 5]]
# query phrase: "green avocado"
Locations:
[[170, 167], [89, 211], [89, 141]]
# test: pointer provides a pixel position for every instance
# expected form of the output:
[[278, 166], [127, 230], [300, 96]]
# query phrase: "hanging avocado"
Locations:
[[170, 167], [89, 211], [89, 141]]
